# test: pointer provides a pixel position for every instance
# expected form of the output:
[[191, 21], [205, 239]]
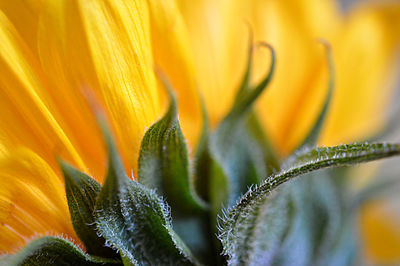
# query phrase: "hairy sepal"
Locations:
[[55, 251], [164, 162], [314, 222], [237, 158], [135, 220], [244, 214], [316, 212], [82, 192], [164, 166]]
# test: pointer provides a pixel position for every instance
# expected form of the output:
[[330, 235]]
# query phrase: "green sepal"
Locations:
[[244, 214], [236, 158], [51, 250], [194, 228], [270, 157], [315, 220], [245, 84], [314, 201], [248, 96], [6, 259], [164, 166], [231, 171], [258, 239], [82, 191], [164, 162], [346, 247], [202, 158], [135, 220], [255, 130]]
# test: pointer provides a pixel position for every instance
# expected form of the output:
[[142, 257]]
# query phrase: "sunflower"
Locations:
[[199, 143]]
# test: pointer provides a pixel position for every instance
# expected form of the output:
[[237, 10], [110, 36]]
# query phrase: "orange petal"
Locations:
[[380, 231], [32, 201]]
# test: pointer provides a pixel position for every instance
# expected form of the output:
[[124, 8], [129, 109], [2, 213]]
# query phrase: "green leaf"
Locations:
[[236, 158], [82, 191], [55, 251], [134, 220], [244, 214], [164, 162]]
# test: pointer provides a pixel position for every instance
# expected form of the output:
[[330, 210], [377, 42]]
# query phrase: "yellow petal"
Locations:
[[367, 35], [292, 101], [380, 231], [24, 15], [365, 56], [217, 32], [104, 46], [101, 46], [26, 112], [28, 92], [364, 45], [32, 201], [172, 53]]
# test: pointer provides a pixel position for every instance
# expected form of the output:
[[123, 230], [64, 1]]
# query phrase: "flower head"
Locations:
[[53, 53]]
